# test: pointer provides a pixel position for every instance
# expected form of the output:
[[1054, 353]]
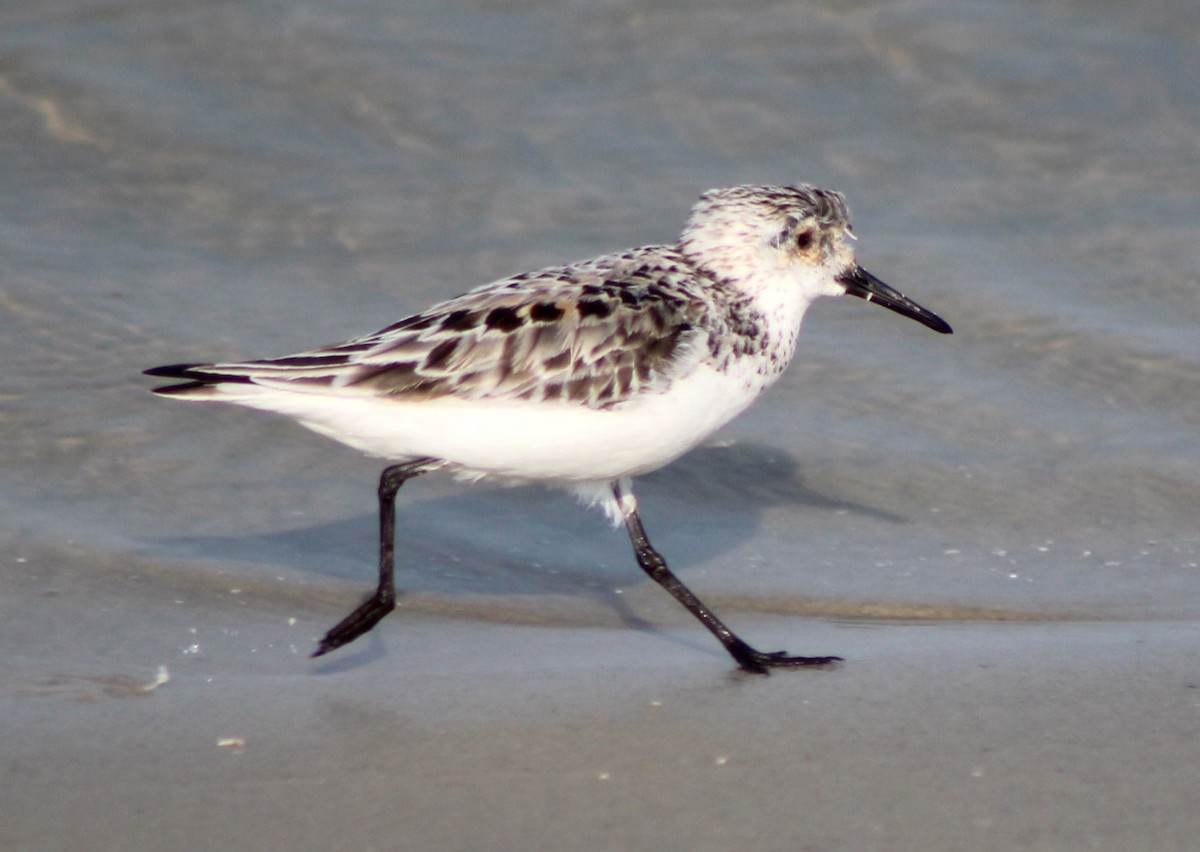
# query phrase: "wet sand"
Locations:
[[451, 733]]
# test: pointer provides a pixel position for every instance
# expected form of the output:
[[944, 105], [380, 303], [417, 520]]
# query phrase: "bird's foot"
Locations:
[[761, 662], [370, 613]]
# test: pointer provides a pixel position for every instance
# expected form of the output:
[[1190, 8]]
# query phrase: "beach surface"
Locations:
[[996, 529]]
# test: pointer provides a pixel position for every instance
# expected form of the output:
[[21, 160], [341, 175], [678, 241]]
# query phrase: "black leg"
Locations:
[[384, 600], [652, 563]]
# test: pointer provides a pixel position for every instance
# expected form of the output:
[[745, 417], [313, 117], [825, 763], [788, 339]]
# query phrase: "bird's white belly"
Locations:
[[554, 442]]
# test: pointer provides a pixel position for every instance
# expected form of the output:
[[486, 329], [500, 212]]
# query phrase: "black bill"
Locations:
[[859, 282]]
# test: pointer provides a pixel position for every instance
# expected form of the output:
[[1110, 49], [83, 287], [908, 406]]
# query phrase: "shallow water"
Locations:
[[219, 180]]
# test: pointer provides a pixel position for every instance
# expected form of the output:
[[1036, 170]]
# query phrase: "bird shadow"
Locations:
[[528, 540]]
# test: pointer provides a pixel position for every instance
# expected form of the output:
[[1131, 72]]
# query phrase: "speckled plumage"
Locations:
[[594, 334]]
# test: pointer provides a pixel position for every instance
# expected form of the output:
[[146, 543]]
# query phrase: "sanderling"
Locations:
[[581, 376]]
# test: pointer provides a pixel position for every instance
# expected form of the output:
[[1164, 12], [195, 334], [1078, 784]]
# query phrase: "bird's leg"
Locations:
[[652, 563], [384, 600]]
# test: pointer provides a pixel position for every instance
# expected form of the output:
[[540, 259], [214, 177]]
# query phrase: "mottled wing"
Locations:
[[594, 334]]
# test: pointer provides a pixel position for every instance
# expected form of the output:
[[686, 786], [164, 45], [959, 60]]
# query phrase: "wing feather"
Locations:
[[595, 334]]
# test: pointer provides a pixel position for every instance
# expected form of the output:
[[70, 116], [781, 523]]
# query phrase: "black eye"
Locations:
[[804, 240]]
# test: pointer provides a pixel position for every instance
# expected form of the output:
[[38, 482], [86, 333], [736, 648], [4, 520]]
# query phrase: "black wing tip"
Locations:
[[177, 371], [174, 371], [195, 376]]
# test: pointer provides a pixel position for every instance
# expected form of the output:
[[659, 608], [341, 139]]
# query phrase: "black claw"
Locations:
[[758, 662], [354, 625]]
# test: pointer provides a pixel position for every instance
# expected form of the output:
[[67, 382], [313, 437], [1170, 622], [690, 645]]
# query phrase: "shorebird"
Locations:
[[582, 376]]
